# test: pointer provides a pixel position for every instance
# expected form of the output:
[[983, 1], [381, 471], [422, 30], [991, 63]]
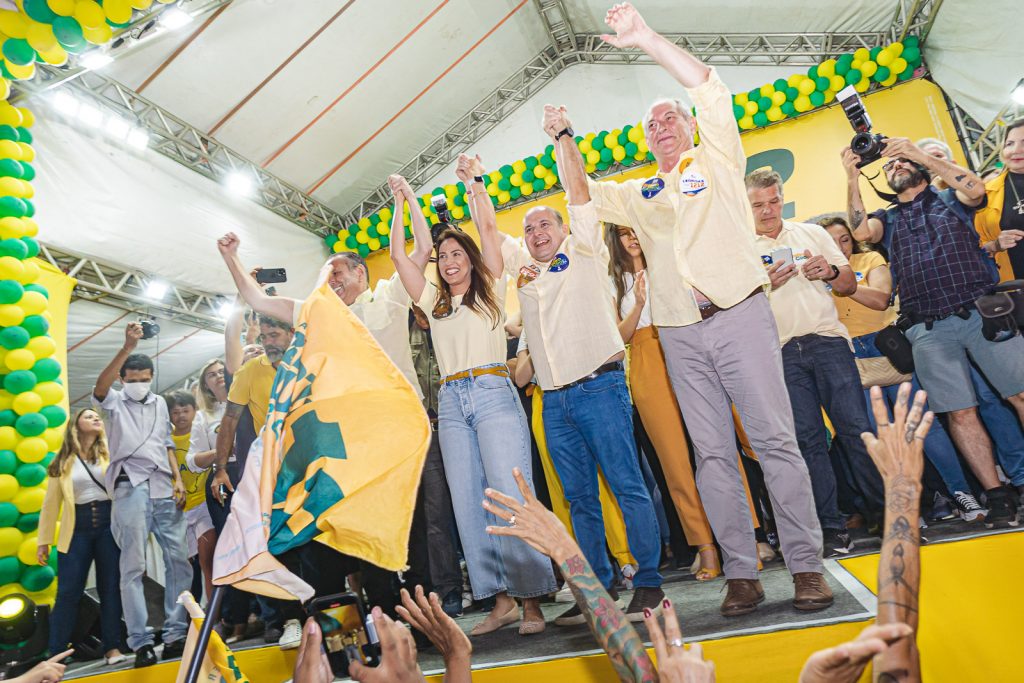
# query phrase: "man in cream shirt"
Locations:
[[816, 356], [714, 323], [577, 354]]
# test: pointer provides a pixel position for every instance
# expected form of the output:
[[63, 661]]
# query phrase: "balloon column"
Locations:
[[32, 418], [771, 103]]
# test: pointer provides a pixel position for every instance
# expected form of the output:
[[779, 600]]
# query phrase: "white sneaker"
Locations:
[[291, 635], [968, 508], [565, 595], [116, 659], [628, 572]]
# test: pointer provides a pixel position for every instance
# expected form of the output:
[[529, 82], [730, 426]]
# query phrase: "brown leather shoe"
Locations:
[[742, 597], [811, 592]]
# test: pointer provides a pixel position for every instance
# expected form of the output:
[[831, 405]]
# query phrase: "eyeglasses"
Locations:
[[888, 166]]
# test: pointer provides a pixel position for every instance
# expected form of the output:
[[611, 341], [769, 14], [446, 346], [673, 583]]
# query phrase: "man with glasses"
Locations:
[[939, 270]]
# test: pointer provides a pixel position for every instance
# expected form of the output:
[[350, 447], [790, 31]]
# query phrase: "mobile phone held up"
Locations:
[[783, 257], [347, 635], [267, 276]]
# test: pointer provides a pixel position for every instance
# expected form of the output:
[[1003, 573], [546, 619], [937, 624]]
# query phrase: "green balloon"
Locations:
[[24, 135], [30, 208], [606, 156], [353, 229], [39, 11], [385, 240], [754, 95], [55, 415], [822, 84], [9, 133], [881, 74], [350, 242], [907, 73], [20, 381], [506, 171], [738, 112], [8, 462], [46, 369], [817, 98], [30, 424], [13, 247], [36, 578], [36, 325], [853, 76], [598, 142], [911, 41], [30, 474], [28, 522], [631, 149], [18, 51], [760, 119], [515, 193], [873, 52], [36, 287], [364, 250], [812, 73], [28, 172], [331, 240], [9, 168], [11, 291], [8, 418], [546, 161], [505, 185], [528, 176], [372, 232], [764, 104], [788, 108], [538, 184], [10, 568], [792, 94], [5, 73], [912, 55], [68, 32], [8, 515], [459, 200], [602, 165], [780, 84], [842, 67], [623, 136], [12, 206], [531, 162], [14, 337]]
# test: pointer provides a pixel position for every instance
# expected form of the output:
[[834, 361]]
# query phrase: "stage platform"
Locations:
[[972, 602]]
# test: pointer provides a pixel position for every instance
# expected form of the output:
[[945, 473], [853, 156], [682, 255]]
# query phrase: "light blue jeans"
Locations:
[[483, 434], [134, 515], [1003, 426]]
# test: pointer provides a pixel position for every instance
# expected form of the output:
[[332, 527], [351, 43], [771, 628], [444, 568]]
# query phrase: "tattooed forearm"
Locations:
[[607, 622]]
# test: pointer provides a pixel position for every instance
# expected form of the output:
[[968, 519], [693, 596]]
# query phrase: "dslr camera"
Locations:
[[150, 328], [865, 144], [439, 202]]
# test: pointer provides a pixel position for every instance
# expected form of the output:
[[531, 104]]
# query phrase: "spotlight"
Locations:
[[226, 309], [17, 619], [1018, 93], [240, 183], [138, 138], [156, 289], [95, 60], [66, 103], [173, 18], [118, 127], [90, 114]]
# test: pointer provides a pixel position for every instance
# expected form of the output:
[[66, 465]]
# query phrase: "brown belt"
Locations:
[[500, 370], [709, 310]]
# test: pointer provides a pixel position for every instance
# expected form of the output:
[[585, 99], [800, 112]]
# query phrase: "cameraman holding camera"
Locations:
[[939, 271]]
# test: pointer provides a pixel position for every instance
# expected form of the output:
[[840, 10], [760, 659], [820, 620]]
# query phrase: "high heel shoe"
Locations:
[[708, 573]]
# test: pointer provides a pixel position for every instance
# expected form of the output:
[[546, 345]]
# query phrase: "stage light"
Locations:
[[95, 60], [118, 127], [66, 103], [1018, 93], [240, 183], [156, 289], [17, 619], [138, 138], [90, 114], [226, 309], [173, 18]]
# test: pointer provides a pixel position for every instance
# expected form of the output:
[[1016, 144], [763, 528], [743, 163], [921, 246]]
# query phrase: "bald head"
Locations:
[[544, 230]]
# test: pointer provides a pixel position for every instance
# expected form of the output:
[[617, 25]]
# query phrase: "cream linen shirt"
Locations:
[[698, 230], [465, 339], [566, 309], [803, 306]]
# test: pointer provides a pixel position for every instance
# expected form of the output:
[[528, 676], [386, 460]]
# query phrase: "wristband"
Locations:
[[564, 131], [835, 274], [479, 179]]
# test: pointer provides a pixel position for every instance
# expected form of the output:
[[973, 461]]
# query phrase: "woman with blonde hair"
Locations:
[[76, 493]]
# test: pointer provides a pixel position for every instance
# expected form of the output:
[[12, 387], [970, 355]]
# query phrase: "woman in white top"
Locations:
[[481, 424], [75, 492]]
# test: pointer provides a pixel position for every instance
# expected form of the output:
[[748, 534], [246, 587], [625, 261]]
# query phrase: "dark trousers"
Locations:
[[92, 541], [821, 373], [436, 538]]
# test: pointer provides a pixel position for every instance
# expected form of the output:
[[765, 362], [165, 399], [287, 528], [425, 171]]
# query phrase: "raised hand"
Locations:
[[529, 520], [468, 167], [228, 244], [630, 28], [132, 335], [850, 161], [399, 186], [555, 120], [311, 665], [898, 450], [845, 663], [426, 616], [676, 664]]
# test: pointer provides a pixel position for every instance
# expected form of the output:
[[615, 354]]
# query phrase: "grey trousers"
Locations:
[[734, 356]]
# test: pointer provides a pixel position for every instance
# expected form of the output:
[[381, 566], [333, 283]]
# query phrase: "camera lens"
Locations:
[[862, 144]]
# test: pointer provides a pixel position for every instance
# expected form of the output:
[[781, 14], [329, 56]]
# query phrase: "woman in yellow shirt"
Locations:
[[865, 313], [1000, 223], [76, 493]]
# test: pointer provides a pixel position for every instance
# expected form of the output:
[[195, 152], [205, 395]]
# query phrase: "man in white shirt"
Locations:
[[817, 359]]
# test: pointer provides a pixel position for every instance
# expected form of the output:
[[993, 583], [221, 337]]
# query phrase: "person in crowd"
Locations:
[[148, 495], [481, 424], [864, 314], [434, 497], [817, 359], [652, 393], [714, 323], [199, 533], [577, 354], [928, 234], [76, 494]]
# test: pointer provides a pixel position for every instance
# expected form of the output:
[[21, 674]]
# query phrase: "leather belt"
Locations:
[[709, 310], [607, 367], [500, 370]]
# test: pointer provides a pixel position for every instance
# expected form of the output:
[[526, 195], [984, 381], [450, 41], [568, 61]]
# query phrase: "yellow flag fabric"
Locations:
[[342, 452], [219, 664]]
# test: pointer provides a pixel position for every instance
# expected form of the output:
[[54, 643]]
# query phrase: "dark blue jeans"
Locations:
[[1003, 426], [591, 425], [92, 541], [821, 373]]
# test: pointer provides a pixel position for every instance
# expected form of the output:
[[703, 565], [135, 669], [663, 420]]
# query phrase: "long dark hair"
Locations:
[[480, 297], [620, 262], [71, 446]]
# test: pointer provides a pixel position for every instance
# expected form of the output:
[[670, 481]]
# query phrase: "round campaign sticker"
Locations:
[[559, 263], [692, 183], [651, 187]]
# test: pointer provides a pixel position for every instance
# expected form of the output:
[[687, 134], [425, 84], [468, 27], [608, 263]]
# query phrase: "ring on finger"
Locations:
[[676, 642], [512, 520]]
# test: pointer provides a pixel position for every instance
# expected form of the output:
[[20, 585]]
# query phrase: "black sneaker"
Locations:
[[644, 597], [272, 635], [574, 615], [173, 650], [145, 656], [452, 603], [1002, 508], [942, 508], [837, 543]]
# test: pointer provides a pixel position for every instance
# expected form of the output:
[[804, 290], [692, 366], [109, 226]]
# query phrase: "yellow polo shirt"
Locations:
[[803, 306], [567, 312], [195, 484], [251, 387], [694, 223], [858, 318]]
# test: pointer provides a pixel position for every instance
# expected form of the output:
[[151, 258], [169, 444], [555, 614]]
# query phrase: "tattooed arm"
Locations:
[[897, 451], [864, 229], [538, 526]]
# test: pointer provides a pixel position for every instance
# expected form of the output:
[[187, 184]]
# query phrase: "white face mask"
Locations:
[[137, 391]]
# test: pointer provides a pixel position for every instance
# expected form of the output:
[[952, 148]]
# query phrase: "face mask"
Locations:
[[137, 391]]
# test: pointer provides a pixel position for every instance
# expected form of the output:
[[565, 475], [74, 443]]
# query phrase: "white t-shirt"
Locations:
[[86, 490], [466, 338], [629, 301], [204, 436]]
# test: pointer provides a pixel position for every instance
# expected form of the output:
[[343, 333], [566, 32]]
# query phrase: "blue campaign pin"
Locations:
[[559, 263], [766, 259], [651, 187]]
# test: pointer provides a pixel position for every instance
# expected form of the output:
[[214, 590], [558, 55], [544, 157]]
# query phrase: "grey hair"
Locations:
[[353, 260], [935, 142], [763, 178], [676, 103]]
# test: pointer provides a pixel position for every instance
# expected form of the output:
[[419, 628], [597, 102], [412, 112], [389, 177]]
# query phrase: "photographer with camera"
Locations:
[[939, 271], [147, 492]]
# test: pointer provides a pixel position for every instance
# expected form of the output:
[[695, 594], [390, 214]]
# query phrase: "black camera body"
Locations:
[[444, 215], [865, 144], [150, 328]]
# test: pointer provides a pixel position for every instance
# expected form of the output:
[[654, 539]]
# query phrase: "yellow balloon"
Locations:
[[802, 103], [884, 57], [22, 73], [100, 35], [27, 191], [775, 114], [636, 133], [889, 81], [611, 140], [14, 24], [31, 227], [827, 68], [364, 222], [778, 98], [896, 49], [31, 274], [747, 122], [520, 165], [51, 393], [11, 268], [590, 168], [540, 171], [27, 549], [33, 303], [550, 179], [869, 68], [6, 399], [8, 484], [27, 402], [767, 90], [11, 187], [504, 197], [27, 153], [142, 4], [10, 116], [526, 189], [11, 314], [386, 229], [750, 107], [12, 227], [862, 55], [830, 95], [585, 146], [618, 153], [517, 179], [55, 56], [863, 85], [89, 13], [898, 66], [19, 359], [593, 156], [806, 86], [855, 64], [10, 538], [740, 99], [53, 438], [374, 244], [64, 8], [40, 36], [32, 449], [5, 88], [362, 237], [794, 80], [28, 501], [118, 11], [837, 83]]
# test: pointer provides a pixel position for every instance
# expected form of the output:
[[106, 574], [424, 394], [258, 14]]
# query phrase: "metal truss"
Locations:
[[914, 17], [983, 143], [125, 288]]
